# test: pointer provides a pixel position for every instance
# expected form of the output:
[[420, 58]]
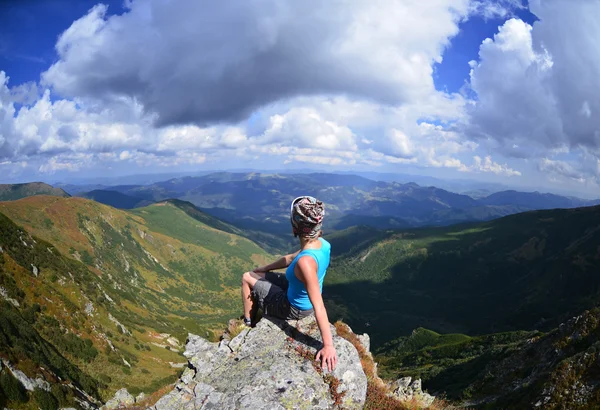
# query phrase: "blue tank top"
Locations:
[[297, 294]]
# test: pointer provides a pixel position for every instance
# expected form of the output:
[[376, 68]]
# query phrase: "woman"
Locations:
[[297, 293]]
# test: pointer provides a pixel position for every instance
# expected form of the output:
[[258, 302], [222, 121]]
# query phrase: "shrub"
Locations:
[[12, 388], [45, 400], [63, 394], [105, 378]]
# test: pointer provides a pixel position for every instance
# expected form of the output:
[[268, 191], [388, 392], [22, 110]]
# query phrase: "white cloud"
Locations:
[[204, 62], [560, 168], [489, 9], [537, 90], [487, 165], [305, 82]]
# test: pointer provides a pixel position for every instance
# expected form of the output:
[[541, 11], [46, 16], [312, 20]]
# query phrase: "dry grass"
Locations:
[[378, 392], [235, 327]]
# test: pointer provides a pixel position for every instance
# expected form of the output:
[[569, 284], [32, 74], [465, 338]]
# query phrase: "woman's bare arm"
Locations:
[[280, 263], [306, 272]]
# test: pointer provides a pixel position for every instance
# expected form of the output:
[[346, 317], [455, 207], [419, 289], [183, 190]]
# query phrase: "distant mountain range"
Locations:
[[116, 199], [260, 201]]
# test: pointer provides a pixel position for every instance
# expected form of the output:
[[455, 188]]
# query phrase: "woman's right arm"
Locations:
[[280, 263]]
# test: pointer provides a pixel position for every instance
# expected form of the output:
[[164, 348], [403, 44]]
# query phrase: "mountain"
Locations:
[[75, 190], [103, 298], [516, 370], [12, 192], [525, 271], [259, 202], [115, 199], [535, 200]]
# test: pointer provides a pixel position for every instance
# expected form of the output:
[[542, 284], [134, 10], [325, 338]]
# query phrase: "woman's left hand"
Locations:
[[328, 357]]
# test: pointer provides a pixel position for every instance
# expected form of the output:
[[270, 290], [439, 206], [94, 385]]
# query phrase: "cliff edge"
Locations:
[[270, 366]]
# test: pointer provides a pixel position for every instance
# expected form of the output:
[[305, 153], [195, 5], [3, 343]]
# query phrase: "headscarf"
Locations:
[[307, 216]]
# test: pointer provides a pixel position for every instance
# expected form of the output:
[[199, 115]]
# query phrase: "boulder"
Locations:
[[270, 366], [121, 400], [406, 391]]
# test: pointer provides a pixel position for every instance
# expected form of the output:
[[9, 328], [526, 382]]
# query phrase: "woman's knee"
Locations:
[[245, 277], [250, 278]]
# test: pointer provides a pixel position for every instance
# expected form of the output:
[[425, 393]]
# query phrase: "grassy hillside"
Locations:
[[525, 271], [447, 363], [513, 370], [111, 285], [12, 192]]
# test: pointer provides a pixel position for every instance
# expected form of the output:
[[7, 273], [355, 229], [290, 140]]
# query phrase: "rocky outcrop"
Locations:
[[270, 366], [122, 400], [406, 391], [30, 384], [557, 370]]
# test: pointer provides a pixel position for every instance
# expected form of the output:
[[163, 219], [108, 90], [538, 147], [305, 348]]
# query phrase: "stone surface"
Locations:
[[29, 383], [10, 300], [267, 367], [365, 341], [140, 397], [407, 391], [121, 400]]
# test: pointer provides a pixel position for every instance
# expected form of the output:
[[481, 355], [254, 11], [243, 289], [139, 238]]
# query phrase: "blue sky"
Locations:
[[104, 89]]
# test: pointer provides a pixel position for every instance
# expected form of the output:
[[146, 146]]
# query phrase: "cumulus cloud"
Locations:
[[307, 82], [537, 88], [487, 165], [204, 62]]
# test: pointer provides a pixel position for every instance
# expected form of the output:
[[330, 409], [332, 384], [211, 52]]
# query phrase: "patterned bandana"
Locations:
[[307, 216]]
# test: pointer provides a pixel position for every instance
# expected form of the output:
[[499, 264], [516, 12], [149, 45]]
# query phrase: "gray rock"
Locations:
[[29, 383], [140, 397], [188, 375], [365, 341], [404, 390], [267, 367], [35, 270], [89, 309], [403, 382], [121, 400]]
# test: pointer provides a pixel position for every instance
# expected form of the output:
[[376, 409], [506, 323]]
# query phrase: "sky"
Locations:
[[502, 91]]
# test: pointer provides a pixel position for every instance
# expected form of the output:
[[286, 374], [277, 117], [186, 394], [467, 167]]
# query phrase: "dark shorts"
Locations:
[[270, 293]]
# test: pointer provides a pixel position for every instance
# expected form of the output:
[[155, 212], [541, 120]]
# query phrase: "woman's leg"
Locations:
[[248, 281]]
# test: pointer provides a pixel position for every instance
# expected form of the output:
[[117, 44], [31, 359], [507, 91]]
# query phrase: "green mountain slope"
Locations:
[[525, 271], [513, 370], [12, 192], [111, 285]]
